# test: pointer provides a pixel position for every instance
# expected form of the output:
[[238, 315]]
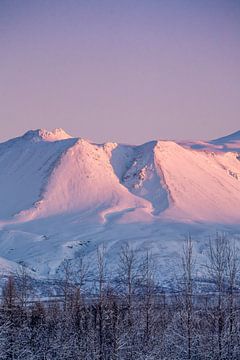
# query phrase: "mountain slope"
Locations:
[[84, 180], [204, 186], [226, 143], [26, 163], [61, 194]]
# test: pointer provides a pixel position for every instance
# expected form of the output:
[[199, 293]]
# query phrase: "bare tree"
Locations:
[[232, 271], [180, 336], [188, 267], [128, 275], [24, 287], [66, 283], [101, 278], [217, 268], [147, 290]]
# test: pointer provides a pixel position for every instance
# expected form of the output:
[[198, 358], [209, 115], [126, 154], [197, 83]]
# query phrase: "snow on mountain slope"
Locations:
[[227, 143], [61, 195], [144, 178], [25, 166], [45, 135], [136, 170], [84, 180], [204, 186]]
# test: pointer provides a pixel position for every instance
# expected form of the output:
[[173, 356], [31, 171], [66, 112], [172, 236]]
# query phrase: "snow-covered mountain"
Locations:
[[60, 195]]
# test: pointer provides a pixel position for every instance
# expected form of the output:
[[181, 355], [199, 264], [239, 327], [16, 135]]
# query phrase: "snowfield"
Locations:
[[62, 196]]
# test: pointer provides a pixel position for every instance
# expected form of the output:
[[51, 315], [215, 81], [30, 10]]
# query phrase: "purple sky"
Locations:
[[118, 70]]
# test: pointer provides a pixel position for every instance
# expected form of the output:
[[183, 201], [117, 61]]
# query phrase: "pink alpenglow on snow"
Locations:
[[57, 174], [60, 192]]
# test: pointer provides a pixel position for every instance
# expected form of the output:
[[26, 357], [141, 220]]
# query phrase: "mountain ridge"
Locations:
[[52, 181]]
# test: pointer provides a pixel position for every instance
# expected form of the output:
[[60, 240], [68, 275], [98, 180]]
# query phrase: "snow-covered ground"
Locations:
[[61, 196]]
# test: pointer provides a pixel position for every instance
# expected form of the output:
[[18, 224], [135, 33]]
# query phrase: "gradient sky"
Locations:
[[126, 71]]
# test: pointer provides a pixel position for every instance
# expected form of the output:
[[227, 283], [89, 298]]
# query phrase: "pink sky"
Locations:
[[126, 71]]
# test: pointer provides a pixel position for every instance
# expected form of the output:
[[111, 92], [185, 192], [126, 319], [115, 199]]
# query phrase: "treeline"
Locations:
[[130, 318]]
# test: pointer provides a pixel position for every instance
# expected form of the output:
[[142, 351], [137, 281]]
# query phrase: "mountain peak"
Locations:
[[43, 134]]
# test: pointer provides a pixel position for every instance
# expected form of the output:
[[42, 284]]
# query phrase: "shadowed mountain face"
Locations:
[[52, 178], [227, 143]]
